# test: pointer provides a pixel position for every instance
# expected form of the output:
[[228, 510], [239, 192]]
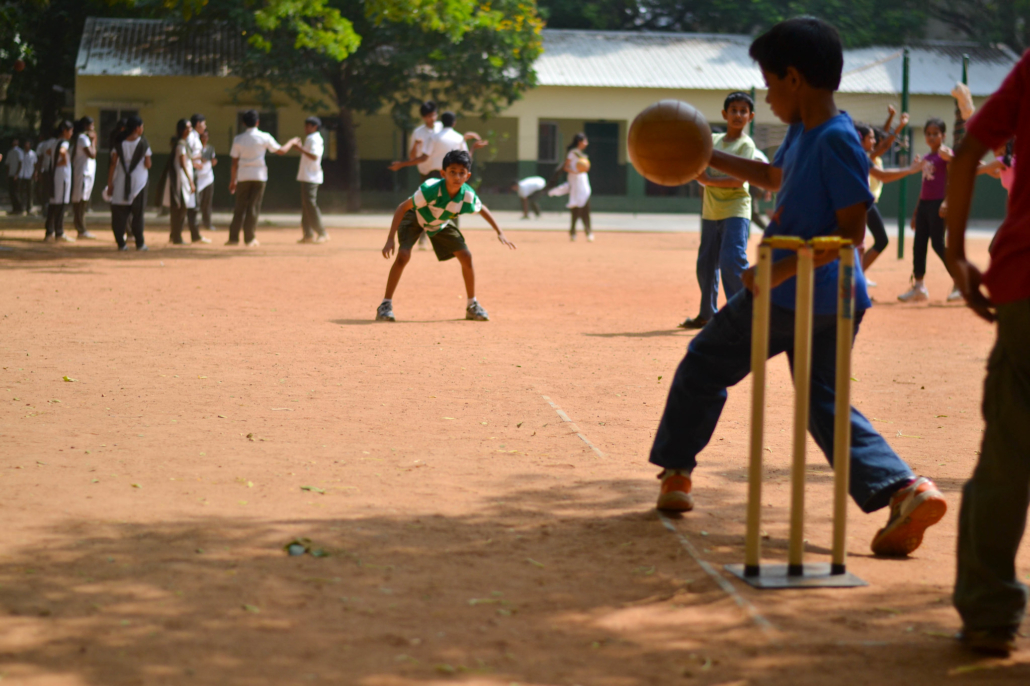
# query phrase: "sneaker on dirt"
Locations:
[[914, 509], [476, 313], [385, 313], [675, 494], [955, 295], [916, 294]]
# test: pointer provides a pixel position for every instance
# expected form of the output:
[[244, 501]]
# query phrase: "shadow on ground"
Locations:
[[533, 590]]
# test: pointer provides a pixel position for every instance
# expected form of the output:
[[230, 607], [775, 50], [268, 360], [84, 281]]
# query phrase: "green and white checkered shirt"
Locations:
[[435, 209]]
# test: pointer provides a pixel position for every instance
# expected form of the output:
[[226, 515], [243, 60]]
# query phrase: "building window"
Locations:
[[549, 145], [108, 120], [269, 123]]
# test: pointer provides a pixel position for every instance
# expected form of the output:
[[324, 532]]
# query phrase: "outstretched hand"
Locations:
[[394, 166], [388, 248], [504, 240]]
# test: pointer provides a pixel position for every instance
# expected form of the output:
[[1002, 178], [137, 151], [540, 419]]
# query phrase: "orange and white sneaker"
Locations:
[[914, 509], [675, 495]]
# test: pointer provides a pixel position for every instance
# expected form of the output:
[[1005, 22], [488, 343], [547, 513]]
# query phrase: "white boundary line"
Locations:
[[744, 604], [565, 418]]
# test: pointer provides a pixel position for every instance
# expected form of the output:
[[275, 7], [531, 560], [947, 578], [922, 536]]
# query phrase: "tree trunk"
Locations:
[[347, 150]]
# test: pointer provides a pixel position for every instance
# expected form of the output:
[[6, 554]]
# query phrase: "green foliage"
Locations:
[[989, 21], [861, 22]]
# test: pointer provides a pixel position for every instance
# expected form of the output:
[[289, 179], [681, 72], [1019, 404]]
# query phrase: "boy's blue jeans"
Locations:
[[720, 356], [723, 249]]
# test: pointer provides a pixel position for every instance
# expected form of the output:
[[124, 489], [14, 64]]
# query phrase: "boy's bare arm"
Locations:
[[500, 234], [961, 180], [758, 173], [707, 179], [394, 166], [398, 215]]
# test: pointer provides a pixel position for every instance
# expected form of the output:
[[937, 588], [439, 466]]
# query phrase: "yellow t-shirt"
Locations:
[[875, 185], [723, 203]]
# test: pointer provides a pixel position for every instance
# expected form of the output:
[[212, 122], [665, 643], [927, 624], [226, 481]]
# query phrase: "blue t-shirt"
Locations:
[[824, 170]]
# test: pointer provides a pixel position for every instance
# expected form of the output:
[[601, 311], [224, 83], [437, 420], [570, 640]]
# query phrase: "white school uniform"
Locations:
[[28, 165], [442, 143], [84, 171], [62, 174], [138, 178], [206, 174], [531, 185], [13, 161], [44, 154], [184, 174], [310, 171], [424, 135], [579, 182], [249, 148]]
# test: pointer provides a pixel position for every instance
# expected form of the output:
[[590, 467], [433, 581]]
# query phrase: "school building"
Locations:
[[590, 81]]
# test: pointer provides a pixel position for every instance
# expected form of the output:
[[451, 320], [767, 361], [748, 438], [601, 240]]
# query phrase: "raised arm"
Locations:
[[754, 172], [961, 180]]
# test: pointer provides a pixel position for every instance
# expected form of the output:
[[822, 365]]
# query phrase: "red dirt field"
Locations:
[[172, 419]]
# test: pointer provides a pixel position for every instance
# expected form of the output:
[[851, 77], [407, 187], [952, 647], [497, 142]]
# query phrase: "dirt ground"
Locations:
[[172, 419]]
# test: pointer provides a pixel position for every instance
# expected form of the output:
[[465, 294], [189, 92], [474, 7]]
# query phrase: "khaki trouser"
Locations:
[[310, 215], [248, 207]]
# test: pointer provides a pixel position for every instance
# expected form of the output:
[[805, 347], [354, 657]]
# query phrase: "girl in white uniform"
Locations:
[[62, 174], [84, 172], [578, 186]]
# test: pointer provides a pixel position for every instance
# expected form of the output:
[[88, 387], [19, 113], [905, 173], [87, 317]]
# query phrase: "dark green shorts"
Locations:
[[445, 243]]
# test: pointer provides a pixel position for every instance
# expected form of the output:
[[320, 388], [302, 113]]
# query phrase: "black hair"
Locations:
[[810, 45], [864, 130], [28, 142], [197, 118], [428, 107], [739, 96], [576, 140], [132, 123], [117, 134], [314, 121], [448, 119], [65, 126], [938, 122], [457, 157], [250, 118], [1010, 148], [180, 127]]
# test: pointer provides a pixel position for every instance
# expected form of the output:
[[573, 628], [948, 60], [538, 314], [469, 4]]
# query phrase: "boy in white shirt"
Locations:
[[84, 172], [26, 173], [127, 180], [206, 180], [528, 190], [198, 126], [249, 175], [309, 173]]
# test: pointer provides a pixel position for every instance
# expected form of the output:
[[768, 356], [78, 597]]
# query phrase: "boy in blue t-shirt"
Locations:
[[821, 175]]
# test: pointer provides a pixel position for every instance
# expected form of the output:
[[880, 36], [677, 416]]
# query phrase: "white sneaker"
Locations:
[[65, 238], [916, 294], [253, 243], [955, 294], [202, 239], [590, 238], [870, 283]]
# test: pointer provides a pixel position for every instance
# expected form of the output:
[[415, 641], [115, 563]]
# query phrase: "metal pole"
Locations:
[[751, 129], [842, 409], [906, 133], [802, 392], [759, 355]]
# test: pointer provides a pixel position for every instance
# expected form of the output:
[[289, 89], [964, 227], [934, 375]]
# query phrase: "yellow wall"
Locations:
[[162, 100]]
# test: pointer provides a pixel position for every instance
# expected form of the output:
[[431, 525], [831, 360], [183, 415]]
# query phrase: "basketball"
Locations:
[[583, 165], [670, 143]]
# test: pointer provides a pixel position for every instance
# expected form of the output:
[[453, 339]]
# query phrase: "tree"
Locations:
[[861, 22], [988, 21], [471, 55]]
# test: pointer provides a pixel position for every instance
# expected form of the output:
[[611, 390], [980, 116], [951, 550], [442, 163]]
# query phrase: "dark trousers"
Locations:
[[204, 199], [79, 215], [723, 251], [874, 222], [25, 194], [55, 219], [248, 208], [310, 215], [720, 356], [13, 191], [529, 202], [124, 216], [581, 213], [929, 229], [992, 519], [182, 215]]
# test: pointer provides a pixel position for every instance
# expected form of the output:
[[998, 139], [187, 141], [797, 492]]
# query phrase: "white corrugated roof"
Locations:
[[703, 61], [613, 59]]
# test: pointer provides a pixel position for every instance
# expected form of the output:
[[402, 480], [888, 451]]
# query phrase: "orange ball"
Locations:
[[583, 165], [670, 143]]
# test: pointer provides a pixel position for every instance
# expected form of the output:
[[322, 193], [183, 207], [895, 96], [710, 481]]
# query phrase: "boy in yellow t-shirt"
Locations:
[[726, 214]]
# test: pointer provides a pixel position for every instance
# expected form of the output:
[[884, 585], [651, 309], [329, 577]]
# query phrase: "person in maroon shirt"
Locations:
[[988, 595]]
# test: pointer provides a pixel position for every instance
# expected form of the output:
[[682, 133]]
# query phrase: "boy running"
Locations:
[[726, 213], [821, 175], [988, 595], [432, 209]]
